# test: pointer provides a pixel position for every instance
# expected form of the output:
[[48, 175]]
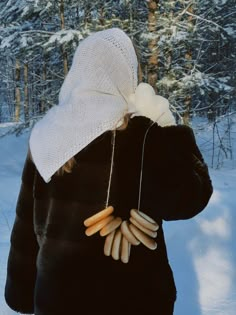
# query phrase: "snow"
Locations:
[[178, 35], [63, 37], [7, 42], [14, 6], [46, 8], [149, 36], [24, 42], [220, 2], [202, 251], [49, 5], [230, 31], [36, 3], [168, 82], [25, 11]]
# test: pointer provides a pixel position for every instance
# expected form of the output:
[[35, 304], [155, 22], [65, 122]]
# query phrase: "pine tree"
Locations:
[[218, 28], [186, 48]]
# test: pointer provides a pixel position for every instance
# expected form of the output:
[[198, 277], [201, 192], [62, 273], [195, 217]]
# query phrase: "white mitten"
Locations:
[[147, 103]]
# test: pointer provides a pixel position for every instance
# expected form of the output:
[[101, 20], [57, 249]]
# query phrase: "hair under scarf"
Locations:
[[97, 93]]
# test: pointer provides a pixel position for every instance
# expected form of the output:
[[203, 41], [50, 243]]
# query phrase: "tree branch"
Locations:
[[202, 19]]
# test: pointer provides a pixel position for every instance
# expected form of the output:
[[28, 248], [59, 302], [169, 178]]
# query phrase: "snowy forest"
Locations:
[[187, 50]]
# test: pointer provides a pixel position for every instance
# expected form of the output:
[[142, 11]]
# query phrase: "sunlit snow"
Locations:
[[202, 251]]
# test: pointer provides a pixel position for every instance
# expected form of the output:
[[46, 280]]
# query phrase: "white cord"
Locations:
[[112, 165], [141, 171], [111, 168]]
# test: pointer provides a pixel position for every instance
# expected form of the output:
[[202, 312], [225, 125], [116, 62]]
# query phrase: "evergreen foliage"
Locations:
[[186, 48]]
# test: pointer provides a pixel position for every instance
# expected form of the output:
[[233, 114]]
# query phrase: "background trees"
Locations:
[[186, 47]]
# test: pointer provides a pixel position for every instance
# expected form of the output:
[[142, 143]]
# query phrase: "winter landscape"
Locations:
[[202, 250], [187, 53]]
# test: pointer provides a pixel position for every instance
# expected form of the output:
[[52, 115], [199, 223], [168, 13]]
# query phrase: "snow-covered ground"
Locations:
[[202, 250]]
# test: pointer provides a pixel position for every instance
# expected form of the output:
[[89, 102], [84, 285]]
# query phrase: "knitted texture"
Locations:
[[99, 90], [92, 100], [152, 106]]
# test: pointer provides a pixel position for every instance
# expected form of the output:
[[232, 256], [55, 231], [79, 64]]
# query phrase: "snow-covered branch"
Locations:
[[203, 19]]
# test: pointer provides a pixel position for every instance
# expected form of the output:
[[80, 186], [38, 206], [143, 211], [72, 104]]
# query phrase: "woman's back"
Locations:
[[71, 266], [154, 166]]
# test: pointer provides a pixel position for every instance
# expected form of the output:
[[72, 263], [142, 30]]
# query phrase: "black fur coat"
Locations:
[[55, 269]]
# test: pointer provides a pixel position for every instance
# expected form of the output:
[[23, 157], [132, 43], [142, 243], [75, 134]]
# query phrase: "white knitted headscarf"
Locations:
[[95, 96]]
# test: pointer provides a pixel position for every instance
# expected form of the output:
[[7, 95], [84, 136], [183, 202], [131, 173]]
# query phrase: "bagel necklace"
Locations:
[[121, 235]]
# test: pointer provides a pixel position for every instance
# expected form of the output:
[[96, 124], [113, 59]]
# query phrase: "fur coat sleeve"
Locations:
[[181, 175], [21, 269]]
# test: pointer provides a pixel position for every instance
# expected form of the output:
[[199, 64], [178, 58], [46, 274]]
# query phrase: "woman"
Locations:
[[105, 168]]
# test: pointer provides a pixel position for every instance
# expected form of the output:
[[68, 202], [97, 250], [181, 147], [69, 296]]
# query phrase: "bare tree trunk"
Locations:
[[101, 16], [44, 78], [186, 115], [32, 91], [169, 53], [26, 93], [65, 61], [64, 53], [10, 89], [62, 17], [17, 91], [188, 65], [152, 45], [87, 13]]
